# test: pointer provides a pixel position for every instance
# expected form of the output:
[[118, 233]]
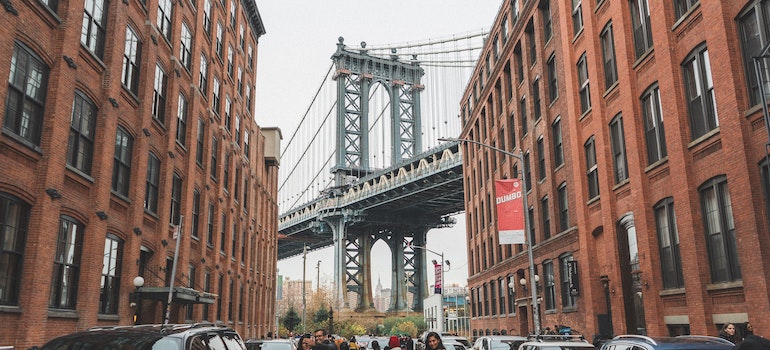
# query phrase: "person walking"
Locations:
[[752, 341], [394, 343], [728, 332], [433, 342]]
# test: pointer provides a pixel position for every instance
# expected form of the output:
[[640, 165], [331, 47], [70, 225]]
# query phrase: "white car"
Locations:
[[557, 342], [499, 342]]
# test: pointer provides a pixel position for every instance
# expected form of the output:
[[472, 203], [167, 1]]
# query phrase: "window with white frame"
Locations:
[[699, 91], [131, 55]]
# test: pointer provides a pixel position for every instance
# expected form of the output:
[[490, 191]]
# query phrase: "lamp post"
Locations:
[[520, 158], [138, 283], [441, 303], [304, 299]]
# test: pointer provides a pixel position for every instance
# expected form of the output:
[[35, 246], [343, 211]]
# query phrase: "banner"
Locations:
[[438, 269], [510, 211]]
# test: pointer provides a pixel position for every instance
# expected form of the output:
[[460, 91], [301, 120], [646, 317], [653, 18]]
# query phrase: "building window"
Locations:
[[109, 296], [199, 142], [561, 192], [185, 47], [545, 214], [131, 56], [204, 73], [541, 159], [545, 10], [577, 16], [121, 168], [531, 213], [530, 31], [214, 157], [215, 98], [66, 264], [237, 130], [53, 5], [80, 150], [232, 14], [682, 6], [536, 109], [207, 17], [94, 26], [196, 214], [567, 299], [553, 82], [668, 242], [250, 56], [523, 114], [501, 287], [512, 128], [592, 173], [653, 125], [608, 55], [558, 147], [176, 200], [640, 21], [519, 62], [191, 272], [221, 289], [226, 172], [159, 95], [26, 95], [181, 120], [164, 18], [240, 81], [754, 34], [248, 99], [14, 218], [550, 285], [699, 90], [493, 297], [153, 184], [206, 288], [230, 66], [231, 301], [617, 138], [512, 282], [222, 232], [228, 119], [585, 93], [220, 43], [242, 37], [210, 226], [720, 230], [246, 145]]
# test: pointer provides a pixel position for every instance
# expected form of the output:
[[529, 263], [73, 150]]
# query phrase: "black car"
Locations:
[[199, 336], [685, 342]]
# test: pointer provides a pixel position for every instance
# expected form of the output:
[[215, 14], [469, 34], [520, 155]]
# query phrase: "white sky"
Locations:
[[294, 55]]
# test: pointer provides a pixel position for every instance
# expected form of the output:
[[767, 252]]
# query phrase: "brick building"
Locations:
[[636, 228], [123, 123]]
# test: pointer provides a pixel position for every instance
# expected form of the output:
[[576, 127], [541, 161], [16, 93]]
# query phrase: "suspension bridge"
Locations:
[[365, 163]]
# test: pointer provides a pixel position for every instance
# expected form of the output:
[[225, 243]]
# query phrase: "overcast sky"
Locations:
[[294, 55]]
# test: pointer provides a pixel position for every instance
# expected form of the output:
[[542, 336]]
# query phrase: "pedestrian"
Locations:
[[728, 332], [394, 343], [322, 341], [752, 341], [375, 345], [306, 342], [433, 342], [409, 343], [353, 343]]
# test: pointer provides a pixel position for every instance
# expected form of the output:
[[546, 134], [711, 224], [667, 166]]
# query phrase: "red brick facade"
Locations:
[[68, 201], [705, 186]]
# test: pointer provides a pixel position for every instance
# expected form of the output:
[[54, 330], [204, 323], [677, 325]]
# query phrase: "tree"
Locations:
[[291, 319], [321, 315]]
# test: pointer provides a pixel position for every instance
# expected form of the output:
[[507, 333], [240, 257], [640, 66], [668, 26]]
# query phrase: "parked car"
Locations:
[[686, 342], [198, 336], [557, 342], [456, 339], [271, 344], [498, 342]]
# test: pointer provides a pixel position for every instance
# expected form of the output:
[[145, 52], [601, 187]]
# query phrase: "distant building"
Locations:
[[127, 124], [639, 127]]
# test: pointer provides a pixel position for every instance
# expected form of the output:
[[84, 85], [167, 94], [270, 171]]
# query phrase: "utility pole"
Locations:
[[318, 276], [304, 292]]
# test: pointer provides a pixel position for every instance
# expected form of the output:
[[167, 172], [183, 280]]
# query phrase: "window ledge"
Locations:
[[673, 291], [10, 309], [724, 285], [105, 317], [63, 313]]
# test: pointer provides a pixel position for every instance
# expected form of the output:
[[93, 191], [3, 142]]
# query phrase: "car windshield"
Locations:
[[275, 346]]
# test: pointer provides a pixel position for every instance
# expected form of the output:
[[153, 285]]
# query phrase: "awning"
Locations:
[[182, 295]]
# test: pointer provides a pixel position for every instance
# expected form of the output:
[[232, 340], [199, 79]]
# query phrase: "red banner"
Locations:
[[510, 211]]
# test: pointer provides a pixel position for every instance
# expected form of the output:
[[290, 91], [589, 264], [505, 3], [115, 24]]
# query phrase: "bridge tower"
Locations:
[[356, 72]]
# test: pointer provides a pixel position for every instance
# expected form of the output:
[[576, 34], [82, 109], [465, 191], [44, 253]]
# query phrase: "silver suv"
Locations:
[[556, 342], [198, 336]]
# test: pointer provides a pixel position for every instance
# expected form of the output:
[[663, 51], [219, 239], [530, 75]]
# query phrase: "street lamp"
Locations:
[[441, 304], [138, 283], [532, 276]]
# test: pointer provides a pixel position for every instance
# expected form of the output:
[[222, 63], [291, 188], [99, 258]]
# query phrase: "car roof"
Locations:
[[679, 342], [139, 336]]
